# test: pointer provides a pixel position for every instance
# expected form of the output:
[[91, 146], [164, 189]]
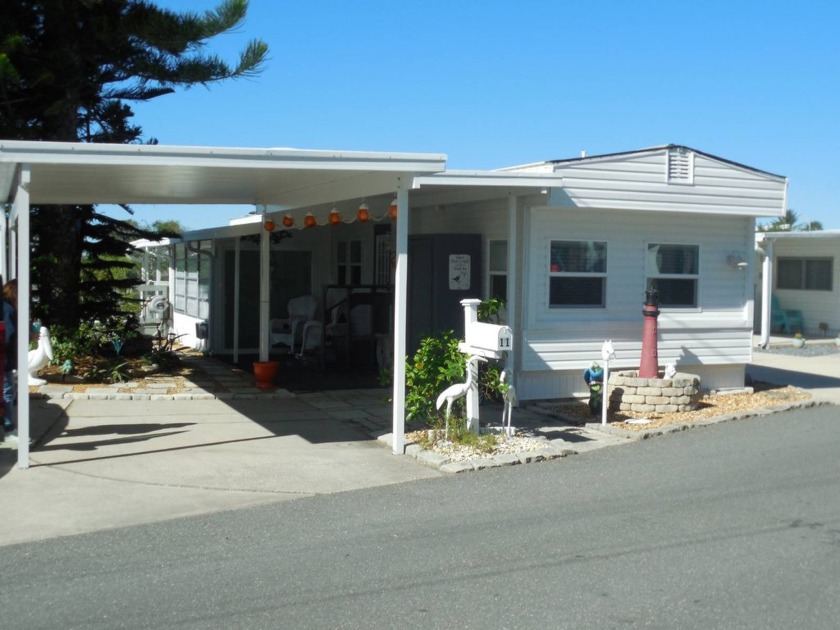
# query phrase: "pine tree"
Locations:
[[68, 71]]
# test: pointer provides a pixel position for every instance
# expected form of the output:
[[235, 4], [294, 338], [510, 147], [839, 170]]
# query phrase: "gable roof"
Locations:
[[656, 149]]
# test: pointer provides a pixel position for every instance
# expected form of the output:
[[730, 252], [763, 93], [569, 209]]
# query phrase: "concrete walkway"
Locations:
[[173, 449]]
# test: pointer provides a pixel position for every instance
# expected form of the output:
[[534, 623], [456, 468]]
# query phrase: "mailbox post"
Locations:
[[489, 341]]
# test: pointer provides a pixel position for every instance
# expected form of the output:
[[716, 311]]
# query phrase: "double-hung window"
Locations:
[[807, 274], [498, 269], [577, 274], [673, 270], [349, 262]]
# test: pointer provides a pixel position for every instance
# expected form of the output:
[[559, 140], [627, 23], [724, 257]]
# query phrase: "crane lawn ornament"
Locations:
[[40, 356], [459, 390], [509, 397]]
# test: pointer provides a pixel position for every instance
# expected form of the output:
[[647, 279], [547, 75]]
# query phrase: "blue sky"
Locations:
[[494, 84]]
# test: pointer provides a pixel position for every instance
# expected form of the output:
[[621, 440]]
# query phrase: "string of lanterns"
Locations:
[[363, 215]]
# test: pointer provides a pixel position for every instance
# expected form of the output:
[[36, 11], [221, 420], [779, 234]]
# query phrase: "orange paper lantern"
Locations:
[[363, 213], [392, 209], [288, 221], [335, 217], [309, 220], [269, 225]]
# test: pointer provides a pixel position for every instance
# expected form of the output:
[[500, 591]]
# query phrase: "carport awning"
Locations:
[[56, 173], [78, 173]]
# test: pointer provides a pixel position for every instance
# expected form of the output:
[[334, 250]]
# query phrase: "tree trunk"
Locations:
[[56, 265]]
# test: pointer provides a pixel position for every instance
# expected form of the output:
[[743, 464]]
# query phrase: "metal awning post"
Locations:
[[265, 290], [236, 257], [766, 289], [20, 219], [400, 318]]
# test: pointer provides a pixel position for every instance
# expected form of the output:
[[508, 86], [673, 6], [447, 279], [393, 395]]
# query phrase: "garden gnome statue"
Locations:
[[594, 378], [40, 356]]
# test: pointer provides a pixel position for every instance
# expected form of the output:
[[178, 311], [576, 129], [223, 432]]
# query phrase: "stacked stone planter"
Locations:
[[628, 392]]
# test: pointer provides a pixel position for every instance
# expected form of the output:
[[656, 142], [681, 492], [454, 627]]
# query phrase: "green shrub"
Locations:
[[436, 365]]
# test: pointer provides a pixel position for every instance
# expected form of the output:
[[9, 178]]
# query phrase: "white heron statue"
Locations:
[[40, 356], [459, 390], [509, 396]]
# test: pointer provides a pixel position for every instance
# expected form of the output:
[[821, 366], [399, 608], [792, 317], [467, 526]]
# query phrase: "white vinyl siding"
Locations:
[[639, 181], [717, 331]]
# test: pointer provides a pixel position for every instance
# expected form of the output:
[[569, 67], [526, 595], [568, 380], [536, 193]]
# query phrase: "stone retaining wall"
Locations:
[[628, 392]]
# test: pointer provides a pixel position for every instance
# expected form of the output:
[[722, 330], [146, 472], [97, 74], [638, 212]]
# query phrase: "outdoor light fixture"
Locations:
[[736, 260], [363, 213], [309, 220], [288, 221], [335, 217], [392, 209]]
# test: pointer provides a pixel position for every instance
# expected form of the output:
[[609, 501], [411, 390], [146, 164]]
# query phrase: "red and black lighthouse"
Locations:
[[649, 367]]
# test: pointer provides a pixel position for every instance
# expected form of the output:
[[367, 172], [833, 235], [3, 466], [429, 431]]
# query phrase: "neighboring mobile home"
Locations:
[[798, 270], [573, 261]]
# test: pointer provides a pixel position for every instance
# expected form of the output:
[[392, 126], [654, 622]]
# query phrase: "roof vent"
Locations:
[[680, 165]]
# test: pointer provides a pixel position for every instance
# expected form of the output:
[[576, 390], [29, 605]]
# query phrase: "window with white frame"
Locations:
[[349, 262], [674, 271], [805, 274], [192, 278], [497, 269], [577, 274]]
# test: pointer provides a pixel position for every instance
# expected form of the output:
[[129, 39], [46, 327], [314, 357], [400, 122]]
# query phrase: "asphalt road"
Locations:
[[731, 526]]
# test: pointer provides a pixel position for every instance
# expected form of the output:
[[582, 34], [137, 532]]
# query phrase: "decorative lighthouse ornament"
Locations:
[[649, 367]]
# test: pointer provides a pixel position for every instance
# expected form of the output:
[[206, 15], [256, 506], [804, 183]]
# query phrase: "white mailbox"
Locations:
[[485, 340], [489, 337]]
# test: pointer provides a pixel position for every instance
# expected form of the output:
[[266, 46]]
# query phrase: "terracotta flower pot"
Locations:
[[265, 372]]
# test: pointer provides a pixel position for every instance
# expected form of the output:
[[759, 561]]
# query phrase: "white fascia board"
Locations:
[[20, 151], [490, 178], [222, 231], [803, 235]]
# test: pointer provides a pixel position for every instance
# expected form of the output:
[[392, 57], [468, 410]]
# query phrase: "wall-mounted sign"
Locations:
[[459, 272]]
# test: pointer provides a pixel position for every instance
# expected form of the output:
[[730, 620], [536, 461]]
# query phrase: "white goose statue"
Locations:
[[40, 356]]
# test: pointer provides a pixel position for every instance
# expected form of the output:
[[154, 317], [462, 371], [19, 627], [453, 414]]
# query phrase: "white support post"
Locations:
[[4, 245], [605, 396], [512, 285], [400, 317], [766, 292], [607, 353], [23, 326], [470, 318], [265, 288], [236, 258]]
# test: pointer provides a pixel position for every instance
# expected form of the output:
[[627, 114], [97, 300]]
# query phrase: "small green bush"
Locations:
[[436, 365]]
